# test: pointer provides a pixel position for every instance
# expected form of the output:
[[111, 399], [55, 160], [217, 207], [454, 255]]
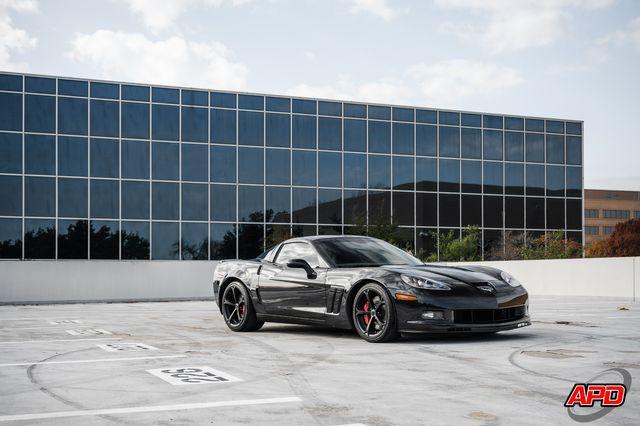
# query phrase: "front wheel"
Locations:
[[374, 315], [238, 310]]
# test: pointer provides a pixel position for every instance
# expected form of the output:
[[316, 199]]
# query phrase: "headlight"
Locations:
[[424, 283], [509, 279]]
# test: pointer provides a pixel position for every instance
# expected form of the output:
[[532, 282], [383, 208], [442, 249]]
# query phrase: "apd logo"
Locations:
[[607, 396]]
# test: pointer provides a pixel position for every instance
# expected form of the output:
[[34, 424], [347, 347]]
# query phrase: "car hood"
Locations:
[[448, 274]]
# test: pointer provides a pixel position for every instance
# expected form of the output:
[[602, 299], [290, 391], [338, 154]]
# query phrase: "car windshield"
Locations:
[[355, 252]]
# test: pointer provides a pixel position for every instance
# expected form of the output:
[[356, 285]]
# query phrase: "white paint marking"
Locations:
[[65, 321], [88, 332], [203, 375], [148, 409], [58, 340], [126, 347], [81, 361]]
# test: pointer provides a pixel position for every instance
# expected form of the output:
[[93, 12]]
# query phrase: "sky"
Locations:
[[571, 59]]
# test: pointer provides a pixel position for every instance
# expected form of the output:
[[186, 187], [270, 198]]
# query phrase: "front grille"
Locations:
[[488, 316]]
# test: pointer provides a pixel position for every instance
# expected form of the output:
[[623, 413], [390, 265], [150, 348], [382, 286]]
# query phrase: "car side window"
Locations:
[[291, 251]]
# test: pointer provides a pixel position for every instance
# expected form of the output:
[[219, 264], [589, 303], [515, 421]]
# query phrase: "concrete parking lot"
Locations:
[[160, 363]]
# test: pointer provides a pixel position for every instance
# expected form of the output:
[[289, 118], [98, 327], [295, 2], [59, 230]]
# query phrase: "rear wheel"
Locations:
[[238, 310], [374, 315]]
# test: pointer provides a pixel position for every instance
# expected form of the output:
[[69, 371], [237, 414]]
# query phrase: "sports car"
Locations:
[[366, 284]]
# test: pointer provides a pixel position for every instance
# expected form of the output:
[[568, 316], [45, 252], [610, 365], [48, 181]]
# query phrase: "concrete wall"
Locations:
[[64, 281]]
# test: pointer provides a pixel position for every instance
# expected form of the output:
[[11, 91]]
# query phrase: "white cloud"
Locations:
[[507, 25], [14, 39], [443, 84], [630, 35], [378, 8], [161, 14], [174, 61]]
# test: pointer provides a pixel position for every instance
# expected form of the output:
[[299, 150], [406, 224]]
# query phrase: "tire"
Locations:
[[374, 314], [237, 308]]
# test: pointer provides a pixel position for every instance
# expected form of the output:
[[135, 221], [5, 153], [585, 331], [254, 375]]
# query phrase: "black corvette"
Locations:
[[367, 284]]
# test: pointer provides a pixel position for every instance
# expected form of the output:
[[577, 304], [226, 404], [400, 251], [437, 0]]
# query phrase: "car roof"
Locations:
[[325, 237]]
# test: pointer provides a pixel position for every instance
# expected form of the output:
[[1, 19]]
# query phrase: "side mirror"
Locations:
[[302, 264]]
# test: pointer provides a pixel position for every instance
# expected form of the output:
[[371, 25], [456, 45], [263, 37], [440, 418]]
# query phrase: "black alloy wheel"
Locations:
[[238, 310], [374, 315]]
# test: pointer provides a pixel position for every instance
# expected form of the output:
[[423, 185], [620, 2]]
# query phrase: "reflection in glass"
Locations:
[[275, 234], [194, 125], [72, 197], [135, 240], [379, 207], [304, 131], [223, 241], [39, 239], [39, 195], [250, 165], [555, 213], [471, 143], [379, 171], [278, 200], [534, 147], [250, 241], [535, 179], [303, 168], [555, 149], [330, 206], [135, 200], [355, 135], [105, 118], [492, 212], [535, 213], [166, 122], [223, 126], [449, 141], [195, 241], [449, 206], [73, 156], [303, 230], [574, 214], [492, 177], [135, 120], [426, 174], [471, 176], [574, 181], [250, 202], [10, 238], [403, 208], [426, 209], [514, 178], [403, 173], [39, 114], [40, 154], [355, 206], [304, 205], [11, 196], [278, 167], [426, 140], [379, 136], [329, 133], [166, 201], [278, 130], [194, 201], [223, 203], [330, 169], [355, 171], [574, 150], [11, 111], [449, 175], [402, 138], [10, 153], [194, 162], [165, 241], [555, 181], [471, 210], [514, 212], [514, 146], [72, 116], [135, 159], [72, 239], [165, 161], [492, 145], [104, 198], [223, 164], [104, 158]]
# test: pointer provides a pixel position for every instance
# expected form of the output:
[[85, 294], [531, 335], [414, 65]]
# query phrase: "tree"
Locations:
[[625, 241], [509, 249], [455, 249], [378, 228], [550, 245]]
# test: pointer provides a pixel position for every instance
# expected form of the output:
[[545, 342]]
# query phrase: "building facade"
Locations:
[[106, 170], [603, 209]]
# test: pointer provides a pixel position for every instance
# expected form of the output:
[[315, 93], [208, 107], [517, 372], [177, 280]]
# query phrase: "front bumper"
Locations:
[[443, 326]]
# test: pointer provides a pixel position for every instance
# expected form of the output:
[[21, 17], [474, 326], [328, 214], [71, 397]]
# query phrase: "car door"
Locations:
[[289, 291]]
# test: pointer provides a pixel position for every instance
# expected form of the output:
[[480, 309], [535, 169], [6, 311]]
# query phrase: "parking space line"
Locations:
[[148, 409], [78, 361], [58, 340]]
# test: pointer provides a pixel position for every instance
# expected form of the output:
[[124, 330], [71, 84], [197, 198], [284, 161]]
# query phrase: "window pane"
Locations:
[[166, 122], [225, 100], [135, 240], [40, 198], [513, 123], [449, 141], [11, 195], [250, 204], [164, 95], [304, 205], [195, 241], [330, 108], [330, 169], [223, 164], [555, 181], [449, 176], [534, 147], [535, 213], [304, 168], [472, 120], [72, 156], [554, 126], [426, 209], [250, 128], [574, 182], [73, 87], [104, 118], [534, 125], [10, 153], [514, 146], [195, 97], [278, 104], [223, 241], [492, 212], [471, 143], [11, 82], [493, 178], [555, 213], [493, 121], [135, 200], [492, 145], [278, 130], [104, 198], [379, 136], [514, 212], [165, 238], [251, 102], [355, 110], [166, 201], [104, 158], [555, 149], [304, 230], [194, 201], [426, 174], [133, 93], [278, 200], [449, 206], [72, 239], [40, 114], [194, 162], [165, 161], [574, 128], [403, 208], [278, 167], [250, 165], [402, 138], [471, 176], [250, 241], [535, 180], [380, 171], [403, 173], [10, 238], [355, 135], [40, 154], [330, 206], [574, 150], [72, 116], [72, 197], [379, 208], [195, 126], [355, 206], [379, 112], [355, 171], [330, 133], [426, 140], [135, 159], [514, 178], [223, 126], [10, 111], [104, 90], [39, 239], [574, 214], [135, 120], [223, 202], [304, 132], [446, 117], [471, 206]]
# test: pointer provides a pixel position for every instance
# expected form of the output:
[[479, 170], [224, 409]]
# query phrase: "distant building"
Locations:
[[603, 209]]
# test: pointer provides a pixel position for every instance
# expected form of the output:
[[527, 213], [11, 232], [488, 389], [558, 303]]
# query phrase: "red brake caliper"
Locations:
[[244, 309], [366, 316]]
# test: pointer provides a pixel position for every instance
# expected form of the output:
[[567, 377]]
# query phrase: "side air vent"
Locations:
[[334, 300]]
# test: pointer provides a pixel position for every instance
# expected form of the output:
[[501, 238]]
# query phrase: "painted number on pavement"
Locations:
[[193, 376], [122, 347], [88, 332]]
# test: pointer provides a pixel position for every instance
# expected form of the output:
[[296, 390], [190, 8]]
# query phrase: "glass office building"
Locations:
[[106, 170]]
